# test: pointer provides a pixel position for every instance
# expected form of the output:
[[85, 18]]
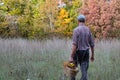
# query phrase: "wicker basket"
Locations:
[[71, 72]]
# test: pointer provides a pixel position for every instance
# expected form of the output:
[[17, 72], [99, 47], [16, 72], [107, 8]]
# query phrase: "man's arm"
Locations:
[[92, 55], [92, 44], [74, 47]]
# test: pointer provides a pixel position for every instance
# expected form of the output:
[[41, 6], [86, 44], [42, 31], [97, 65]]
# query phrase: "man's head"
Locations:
[[81, 18]]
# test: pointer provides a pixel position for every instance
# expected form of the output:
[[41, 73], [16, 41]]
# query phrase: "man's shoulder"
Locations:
[[81, 27], [75, 29], [86, 27]]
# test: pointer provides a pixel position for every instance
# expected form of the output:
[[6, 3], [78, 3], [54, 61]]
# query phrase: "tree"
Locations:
[[67, 17], [101, 17], [116, 23], [63, 21], [51, 11], [27, 16]]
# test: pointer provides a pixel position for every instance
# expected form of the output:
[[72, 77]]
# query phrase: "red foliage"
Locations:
[[104, 16]]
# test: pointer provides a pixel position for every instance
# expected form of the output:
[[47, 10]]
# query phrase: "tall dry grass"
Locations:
[[22, 59]]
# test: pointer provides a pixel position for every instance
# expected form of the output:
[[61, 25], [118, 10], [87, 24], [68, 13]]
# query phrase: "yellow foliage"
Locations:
[[62, 11], [66, 21], [63, 22], [77, 3], [63, 14]]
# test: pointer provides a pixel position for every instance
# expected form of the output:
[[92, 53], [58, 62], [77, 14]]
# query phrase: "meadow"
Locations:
[[22, 59]]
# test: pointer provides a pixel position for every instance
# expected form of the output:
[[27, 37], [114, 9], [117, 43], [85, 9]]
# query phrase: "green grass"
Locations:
[[22, 59]]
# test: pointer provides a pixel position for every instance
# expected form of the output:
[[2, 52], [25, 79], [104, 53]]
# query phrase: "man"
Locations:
[[82, 41]]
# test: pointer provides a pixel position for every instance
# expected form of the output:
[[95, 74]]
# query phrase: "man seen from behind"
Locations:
[[82, 41]]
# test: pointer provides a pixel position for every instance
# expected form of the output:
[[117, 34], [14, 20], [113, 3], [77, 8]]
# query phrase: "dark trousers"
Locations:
[[82, 57]]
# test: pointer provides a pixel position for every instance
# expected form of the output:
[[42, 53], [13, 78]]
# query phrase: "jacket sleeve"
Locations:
[[91, 40], [74, 37]]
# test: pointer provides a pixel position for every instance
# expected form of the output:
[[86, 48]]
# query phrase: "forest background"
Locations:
[[37, 19], [27, 51]]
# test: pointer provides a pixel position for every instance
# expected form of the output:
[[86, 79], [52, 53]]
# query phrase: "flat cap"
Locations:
[[81, 17]]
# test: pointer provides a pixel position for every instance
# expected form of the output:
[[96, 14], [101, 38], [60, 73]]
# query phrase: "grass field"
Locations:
[[22, 59]]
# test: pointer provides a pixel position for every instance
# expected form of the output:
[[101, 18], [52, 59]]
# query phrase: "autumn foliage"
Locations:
[[67, 18], [103, 17], [41, 18]]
